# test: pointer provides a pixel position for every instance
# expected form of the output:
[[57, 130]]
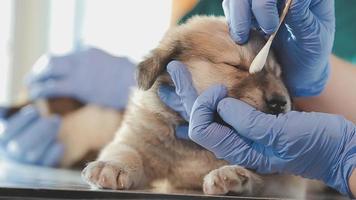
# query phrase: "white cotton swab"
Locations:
[[260, 60]]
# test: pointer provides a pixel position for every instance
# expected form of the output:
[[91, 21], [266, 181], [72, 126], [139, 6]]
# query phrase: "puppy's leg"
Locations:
[[118, 167], [188, 174], [233, 179]]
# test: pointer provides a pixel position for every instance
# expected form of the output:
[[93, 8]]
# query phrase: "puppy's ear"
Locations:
[[155, 64]]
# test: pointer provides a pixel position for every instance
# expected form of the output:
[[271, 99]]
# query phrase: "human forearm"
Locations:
[[352, 183], [180, 8], [339, 94]]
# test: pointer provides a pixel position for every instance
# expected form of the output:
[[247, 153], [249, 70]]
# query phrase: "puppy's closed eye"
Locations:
[[237, 66]]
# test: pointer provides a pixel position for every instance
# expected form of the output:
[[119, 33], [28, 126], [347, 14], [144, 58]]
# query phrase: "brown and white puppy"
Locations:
[[145, 148], [85, 128]]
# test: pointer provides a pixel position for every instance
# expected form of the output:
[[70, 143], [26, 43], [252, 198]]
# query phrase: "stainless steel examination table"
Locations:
[[30, 182]]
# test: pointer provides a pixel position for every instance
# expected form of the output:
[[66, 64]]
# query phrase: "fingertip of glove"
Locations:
[[223, 104], [29, 111], [211, 97], [239, 37], [175, 65], [178, 72], [225, 109], [215, 92], [230, 106], [270, 30], [270, 26], [221, 90]]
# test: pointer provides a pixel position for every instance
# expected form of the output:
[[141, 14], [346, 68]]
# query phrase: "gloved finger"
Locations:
[[203, 111], [50, 67], [51, 88], [219, 139], [238, 15], [169, 96], [39, 132], [184, 84], [182, 132], [226, 144], [266, 14], [248, 121], [303, 22], [17, 123], [52, 155]]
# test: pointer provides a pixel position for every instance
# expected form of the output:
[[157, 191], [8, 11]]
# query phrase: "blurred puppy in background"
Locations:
[[84, 130]]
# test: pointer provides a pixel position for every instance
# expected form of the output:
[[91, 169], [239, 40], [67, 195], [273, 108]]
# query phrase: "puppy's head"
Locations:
[[212, 57]]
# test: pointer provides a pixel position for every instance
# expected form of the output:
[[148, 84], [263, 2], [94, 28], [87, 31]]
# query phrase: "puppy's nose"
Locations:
[[277, 104]]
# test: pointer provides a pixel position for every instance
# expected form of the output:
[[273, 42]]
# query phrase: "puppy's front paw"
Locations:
[[108, 175], [229, 179]]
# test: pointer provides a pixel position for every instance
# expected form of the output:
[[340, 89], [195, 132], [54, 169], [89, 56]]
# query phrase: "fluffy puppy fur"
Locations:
[[145, 148]]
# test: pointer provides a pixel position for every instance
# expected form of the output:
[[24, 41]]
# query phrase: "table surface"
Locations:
[[32, 182]]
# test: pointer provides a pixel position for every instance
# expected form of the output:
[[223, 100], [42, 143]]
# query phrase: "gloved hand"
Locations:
[[27, 138], [181, 97], [303, 43], [313, 145], [90, 76]]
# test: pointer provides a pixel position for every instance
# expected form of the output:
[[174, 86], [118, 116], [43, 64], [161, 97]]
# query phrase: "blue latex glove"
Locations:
[[27, 138], [181, 97], [303, 43], [91, 76], [313, 145]]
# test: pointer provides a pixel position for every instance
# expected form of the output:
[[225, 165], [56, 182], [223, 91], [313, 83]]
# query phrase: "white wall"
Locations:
[[5, 31], [126, 27], [29, 42], [30, 28]]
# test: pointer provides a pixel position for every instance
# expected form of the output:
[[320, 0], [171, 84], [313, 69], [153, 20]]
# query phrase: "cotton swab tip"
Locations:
[[259, 62], [261, 58]]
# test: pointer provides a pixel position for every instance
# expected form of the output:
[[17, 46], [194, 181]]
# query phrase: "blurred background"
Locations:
[[30, 28]]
